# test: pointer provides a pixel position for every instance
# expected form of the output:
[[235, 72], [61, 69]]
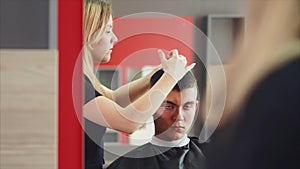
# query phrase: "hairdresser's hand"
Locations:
[[175, 64]]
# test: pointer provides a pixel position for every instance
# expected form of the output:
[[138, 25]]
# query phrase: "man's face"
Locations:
[[176, 114]]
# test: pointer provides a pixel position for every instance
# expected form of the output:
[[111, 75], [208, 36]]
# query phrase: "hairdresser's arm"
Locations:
[[106, 112], [128, 93]]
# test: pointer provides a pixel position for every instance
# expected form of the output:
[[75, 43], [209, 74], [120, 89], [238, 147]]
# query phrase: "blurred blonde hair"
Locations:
[[270, 42], [96, 16]]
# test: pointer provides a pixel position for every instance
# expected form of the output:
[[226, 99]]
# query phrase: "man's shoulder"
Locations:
[[196, 141], [134, 159]]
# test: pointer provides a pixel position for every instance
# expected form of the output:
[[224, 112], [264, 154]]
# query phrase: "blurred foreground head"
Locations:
[[260, 124], [270, 41]]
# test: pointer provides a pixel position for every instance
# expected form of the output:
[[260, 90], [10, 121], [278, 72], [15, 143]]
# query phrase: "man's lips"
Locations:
[[178, 127]]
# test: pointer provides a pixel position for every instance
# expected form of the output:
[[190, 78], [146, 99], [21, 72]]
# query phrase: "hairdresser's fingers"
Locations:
[[183, 58], [172, 53], [190, 67], [162, 56]]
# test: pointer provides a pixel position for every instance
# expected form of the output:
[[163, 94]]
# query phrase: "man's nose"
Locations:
[[179, 114]]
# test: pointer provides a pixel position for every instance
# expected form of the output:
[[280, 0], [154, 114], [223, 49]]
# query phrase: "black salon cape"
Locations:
[[191, 155]]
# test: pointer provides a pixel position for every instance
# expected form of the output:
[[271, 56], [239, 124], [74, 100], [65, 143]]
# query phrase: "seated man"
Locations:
[[170, 147]]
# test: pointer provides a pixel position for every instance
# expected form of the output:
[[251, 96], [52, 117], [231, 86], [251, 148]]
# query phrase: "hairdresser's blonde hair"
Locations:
[[96, 16]]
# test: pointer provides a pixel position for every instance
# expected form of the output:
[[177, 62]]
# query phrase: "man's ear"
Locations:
[[197, 104]]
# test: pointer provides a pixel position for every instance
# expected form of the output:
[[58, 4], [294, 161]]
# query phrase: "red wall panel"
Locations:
[[139, 39], [69, 46]]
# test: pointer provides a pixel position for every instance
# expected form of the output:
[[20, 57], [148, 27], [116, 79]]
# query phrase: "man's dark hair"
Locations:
[[188, 80]]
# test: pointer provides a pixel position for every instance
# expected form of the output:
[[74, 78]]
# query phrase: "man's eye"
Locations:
[[188, 106], [168, 107]]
